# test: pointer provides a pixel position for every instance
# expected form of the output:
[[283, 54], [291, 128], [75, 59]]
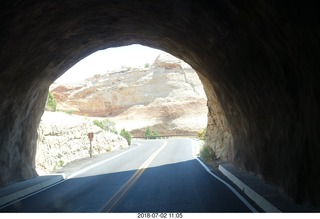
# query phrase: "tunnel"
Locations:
[[258, 62]]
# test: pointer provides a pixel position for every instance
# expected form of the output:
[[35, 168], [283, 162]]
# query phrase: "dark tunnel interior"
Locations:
[[258, 62]]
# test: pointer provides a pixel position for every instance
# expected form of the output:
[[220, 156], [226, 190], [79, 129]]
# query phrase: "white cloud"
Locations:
[[103, 61]]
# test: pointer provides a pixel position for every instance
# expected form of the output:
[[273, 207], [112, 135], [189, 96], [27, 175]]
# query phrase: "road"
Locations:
[[156, 176]]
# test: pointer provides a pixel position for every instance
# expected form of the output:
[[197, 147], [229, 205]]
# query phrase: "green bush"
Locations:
[[61, 163], [106, 125], [98, 123], [51, 103], [205, 153], [69, 112], [108, 149], [126, 135], [202, 134], [150, 134]]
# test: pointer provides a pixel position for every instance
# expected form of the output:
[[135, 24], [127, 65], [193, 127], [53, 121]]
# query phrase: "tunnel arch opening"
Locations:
[[178, 104]]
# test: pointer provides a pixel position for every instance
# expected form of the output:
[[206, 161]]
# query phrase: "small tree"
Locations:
[[126, 135], [51, 103], [150, 134]]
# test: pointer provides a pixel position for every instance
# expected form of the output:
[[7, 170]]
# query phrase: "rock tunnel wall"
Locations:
[[261, 61]]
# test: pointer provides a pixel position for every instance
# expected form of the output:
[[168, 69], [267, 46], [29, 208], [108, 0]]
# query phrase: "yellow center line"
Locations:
[[123, 190]]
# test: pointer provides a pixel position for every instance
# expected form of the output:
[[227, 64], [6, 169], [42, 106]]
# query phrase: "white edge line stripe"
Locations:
[[258, 199], [33, 193], [101, 162], [224, 182], [71, 176], [230, 187]]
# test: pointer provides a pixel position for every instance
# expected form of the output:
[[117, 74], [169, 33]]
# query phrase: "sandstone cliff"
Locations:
[[63, 138], [167, 96]]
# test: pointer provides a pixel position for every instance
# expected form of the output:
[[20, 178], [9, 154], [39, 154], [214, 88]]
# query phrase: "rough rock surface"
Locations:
[[64, 138], [168, 97], [260, 59]]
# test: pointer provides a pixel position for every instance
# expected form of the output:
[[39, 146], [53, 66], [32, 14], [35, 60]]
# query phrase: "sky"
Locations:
[[110, 59]]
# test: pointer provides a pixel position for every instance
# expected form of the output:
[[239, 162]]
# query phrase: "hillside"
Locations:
[[167, 96]]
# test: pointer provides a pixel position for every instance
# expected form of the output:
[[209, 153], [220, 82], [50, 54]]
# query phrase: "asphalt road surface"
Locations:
[[156, 176]]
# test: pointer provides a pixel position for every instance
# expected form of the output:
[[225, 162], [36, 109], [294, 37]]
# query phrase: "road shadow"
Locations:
[[177, 187]]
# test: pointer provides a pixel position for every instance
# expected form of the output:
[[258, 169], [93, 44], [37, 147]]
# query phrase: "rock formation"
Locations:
[[167, 96], [64, 138], [260, 59]]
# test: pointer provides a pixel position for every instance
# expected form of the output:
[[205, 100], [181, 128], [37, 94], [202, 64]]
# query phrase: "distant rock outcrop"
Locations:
[[167, 96]]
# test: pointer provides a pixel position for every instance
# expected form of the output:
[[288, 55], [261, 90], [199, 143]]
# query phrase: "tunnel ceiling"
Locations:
[[258, 61]]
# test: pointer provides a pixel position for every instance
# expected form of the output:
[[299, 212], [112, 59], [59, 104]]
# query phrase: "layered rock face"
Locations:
[[168, 96], [261, 61], [63, 138]]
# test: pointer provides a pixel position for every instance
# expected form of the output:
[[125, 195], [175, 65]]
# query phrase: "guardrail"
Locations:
[[166, 136]]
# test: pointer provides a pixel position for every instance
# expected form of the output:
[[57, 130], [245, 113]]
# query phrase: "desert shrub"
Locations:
[[69, 112], [126, 135], [108, 149], [61, 163], [205, 153], [51, 103], [202, 134], [106, 125], [98, 123], [150, 134]]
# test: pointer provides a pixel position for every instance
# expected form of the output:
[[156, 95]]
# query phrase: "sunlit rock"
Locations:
[[64, 138], [167, 96]]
